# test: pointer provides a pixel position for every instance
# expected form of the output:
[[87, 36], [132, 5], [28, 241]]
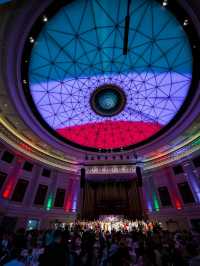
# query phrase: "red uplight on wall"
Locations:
[[178, 204], [12, 178], [8, 189], [68, 205]]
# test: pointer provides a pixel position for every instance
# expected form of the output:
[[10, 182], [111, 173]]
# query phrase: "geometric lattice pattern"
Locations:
[[81, 49]]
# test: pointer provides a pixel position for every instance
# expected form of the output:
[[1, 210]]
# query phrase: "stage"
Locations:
[[108, 223]]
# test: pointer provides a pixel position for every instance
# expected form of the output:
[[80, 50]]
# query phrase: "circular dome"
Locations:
[[108, 100], [81, 49]]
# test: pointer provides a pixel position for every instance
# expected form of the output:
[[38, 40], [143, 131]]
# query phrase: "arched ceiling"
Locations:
[[20, 129]]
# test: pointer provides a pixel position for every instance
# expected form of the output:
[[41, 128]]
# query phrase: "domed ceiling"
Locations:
[[91, 92], [149, 63]]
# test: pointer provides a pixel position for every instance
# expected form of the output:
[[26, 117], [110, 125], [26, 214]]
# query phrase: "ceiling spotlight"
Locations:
[[31, 40], [45, 19], [24, 81], [165, 3], [186, 22]]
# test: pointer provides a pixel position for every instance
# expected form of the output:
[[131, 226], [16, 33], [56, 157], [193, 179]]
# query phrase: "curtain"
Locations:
[[111, 197], [135, 205]]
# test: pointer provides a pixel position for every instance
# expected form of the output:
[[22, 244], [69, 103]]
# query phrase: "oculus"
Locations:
[[108, 100]]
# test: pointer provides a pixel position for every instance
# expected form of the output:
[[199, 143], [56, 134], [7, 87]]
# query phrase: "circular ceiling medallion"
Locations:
[[108, 100], [88, 92]]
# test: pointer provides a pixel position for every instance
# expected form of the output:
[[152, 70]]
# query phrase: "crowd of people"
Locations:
[[110, 223], [87, 244]]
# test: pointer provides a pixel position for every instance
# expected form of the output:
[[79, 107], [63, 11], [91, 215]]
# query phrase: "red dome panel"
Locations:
[[110, 134]]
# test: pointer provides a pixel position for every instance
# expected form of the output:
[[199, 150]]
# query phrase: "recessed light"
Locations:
[[31, 40], [45, 19], [165, 3], [186, 22]]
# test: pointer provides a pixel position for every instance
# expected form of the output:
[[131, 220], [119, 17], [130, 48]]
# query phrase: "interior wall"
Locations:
[[180, 214], [26, 209], [176, 216]]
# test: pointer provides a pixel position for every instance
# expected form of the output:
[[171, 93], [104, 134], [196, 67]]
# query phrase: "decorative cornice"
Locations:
[[110, 169], [20, 144]]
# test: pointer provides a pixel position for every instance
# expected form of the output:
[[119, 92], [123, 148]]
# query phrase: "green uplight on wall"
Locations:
[[155, 202], [49, 202]]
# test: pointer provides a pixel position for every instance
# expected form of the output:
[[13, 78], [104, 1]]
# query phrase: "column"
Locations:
[[79, 198], [176, 200], [152, 193], [143, 195], [192, 179], [76, 192], [68, 200], [11, 181], [32, 188], [51, 191], [147, 194]]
